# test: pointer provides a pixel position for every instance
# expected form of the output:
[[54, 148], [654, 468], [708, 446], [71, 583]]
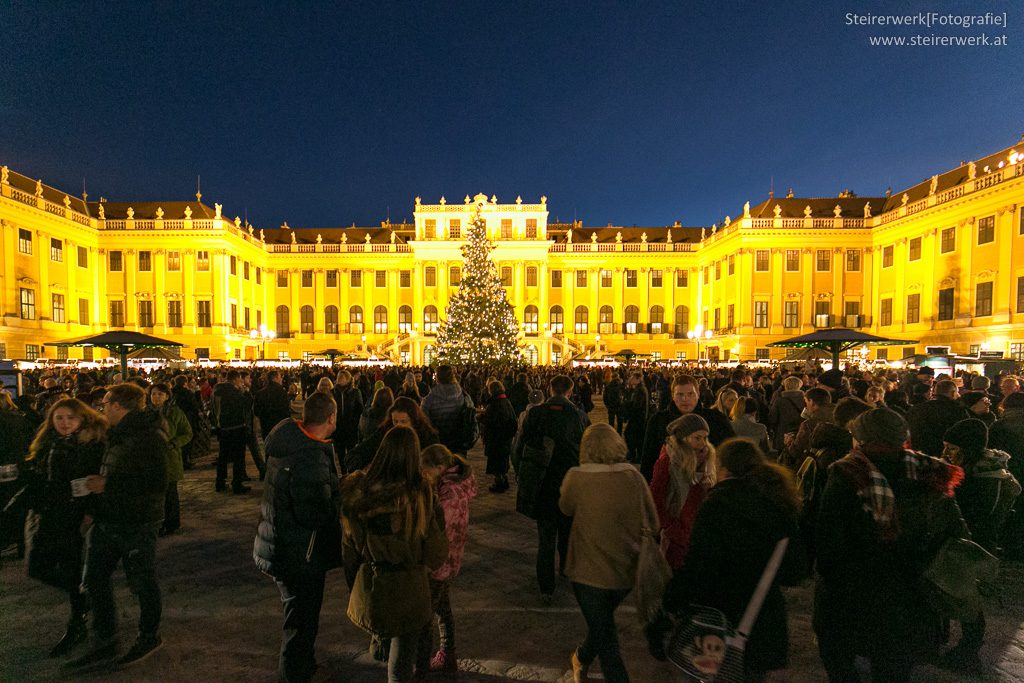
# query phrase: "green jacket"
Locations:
[[135, 466], [179, 434]]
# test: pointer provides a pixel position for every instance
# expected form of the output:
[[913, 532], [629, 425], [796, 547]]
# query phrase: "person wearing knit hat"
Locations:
[[964, 442], [880, 426], [980, 406], [683, 426]]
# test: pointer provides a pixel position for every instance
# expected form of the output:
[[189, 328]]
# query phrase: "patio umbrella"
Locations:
[[120, 343], [332, 353], [837, 340]]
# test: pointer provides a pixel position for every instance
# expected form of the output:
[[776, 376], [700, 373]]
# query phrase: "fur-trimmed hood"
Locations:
[[362, 502]]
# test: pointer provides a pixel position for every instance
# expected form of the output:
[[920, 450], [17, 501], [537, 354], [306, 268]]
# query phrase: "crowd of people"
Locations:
[[866, 473]]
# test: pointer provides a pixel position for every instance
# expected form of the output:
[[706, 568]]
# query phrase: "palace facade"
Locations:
[[941, 262]]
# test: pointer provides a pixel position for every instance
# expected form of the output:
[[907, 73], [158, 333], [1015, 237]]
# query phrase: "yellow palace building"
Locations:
[[941, 262]]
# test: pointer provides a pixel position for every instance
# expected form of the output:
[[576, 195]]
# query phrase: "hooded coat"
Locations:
[[455, 488], [986, 495]]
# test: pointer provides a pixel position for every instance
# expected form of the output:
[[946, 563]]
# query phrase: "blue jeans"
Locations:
[[135, 546], [602, 642]]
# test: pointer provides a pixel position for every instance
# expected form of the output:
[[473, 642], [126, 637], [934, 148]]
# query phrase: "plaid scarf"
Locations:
[[875, 492]]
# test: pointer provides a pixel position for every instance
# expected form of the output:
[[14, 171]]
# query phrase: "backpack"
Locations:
[[469, 426], [808, 481]]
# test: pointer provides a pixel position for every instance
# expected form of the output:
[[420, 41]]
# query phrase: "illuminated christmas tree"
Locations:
[[479, 325]]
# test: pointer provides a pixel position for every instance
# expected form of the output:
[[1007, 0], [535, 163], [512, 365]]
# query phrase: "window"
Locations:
[[506, 276], [233, 264], [116, 265], [380, 278], [83, 257], [606, 278], [405, 278], [853, 260], [306, 278], [630, 277], [331, 279], [455, 276], [823, 260], [730, 316], [174, 313], [355, 278], [62, 353], [531, 276], [656, 278], [506, 228], [259, 318], [245, 270], [852, 310], [581, 319], [791, 314], [913, 308], [886, 312], [657, 324], [380, 320], [87, 353], [306, 320], [331, 320], [282, 278], [145, 261], [718, 270], [986, 229], [630, 319], [32, 351], [117, 314], [204, 314], [761, 260], [882, 354], [429, 229], [174, 261], [355, 320], [430, 276], [732, 264], [706, 275], [682, 321], [430, 320], [454, 229], [822, 313], [247, 318], [58, 308], [405, 319], [25, 241], [682, 277], [947, 240], [531, 228], [762, 354], [203, 260], [887, 256], [606, 320], [761, 314], [555, 320], [28, 304], [56, 249], [1020, 295], [145, 314], [556, 278], [983, 299], [914, 249], [259, 275], [83, 311], [234, 316], [531, 320], [581, 278], [1016, 351], [946, 304], [283, 322], [718, 319]]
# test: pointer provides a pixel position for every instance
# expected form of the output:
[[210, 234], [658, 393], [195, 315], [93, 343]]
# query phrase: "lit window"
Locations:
[[581, 320], [947, 241], [986, 229], [115, 262], [791, 314], [58, 308], [630, 320], [761, 257], [914, 249], [430, 320], [430, 229], [531, 228], [531, 319], [506, 228], [380, 320], [555, 320], [630, 278], [853, 260], [761, 314], [430, 276], [203, 260], [56, 249], [405, 319], [25, 241], [174, 261], [28, 304]]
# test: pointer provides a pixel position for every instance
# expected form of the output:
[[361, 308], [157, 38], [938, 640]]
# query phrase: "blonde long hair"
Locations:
[[94, 425], [682, 472]]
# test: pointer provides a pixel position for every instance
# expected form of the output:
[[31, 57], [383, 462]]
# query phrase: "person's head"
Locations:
[[234, 377], [945, 388], [560, 385], [689, 430], [691, 459], [122, 399], [742, 407], [406, 412], [726, 400], [67, 417], [739, 375], [495, 388], [159, 394], [275, 377], [382, 399], [740, 458], [977, 402], [880, 427], [6, 402], [685, 394], [792, 383], [831, 380], [437, 458], [980, 383], [320, 414], [925, 375], [849, 409], [1009, 385], [817, 397], [325, 385], [602, 445], [445, 374], [397, 460], [964, 442], [875, 396], [49, 383], [536, 397], [344, 378]]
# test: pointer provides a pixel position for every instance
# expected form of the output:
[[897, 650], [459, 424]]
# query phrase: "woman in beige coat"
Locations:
[[610, 504]]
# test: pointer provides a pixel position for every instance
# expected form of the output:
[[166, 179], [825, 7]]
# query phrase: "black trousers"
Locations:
[[172, 507], [301, 598], [231, 445], [552, 535], [256, 449], [135, 547], [598, 606]]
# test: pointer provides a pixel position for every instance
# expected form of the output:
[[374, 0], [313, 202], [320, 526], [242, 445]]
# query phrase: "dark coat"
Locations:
[[361, 455], [929, 421], [655, 434], [135, 465], [271, 406], [498, 425], [1007, 434], [613, 395], [350, 409], [562, 422], [446, 406], [985, 496], [232, 409], [519, 396], [735, 534], [298, 530], [784, 415]]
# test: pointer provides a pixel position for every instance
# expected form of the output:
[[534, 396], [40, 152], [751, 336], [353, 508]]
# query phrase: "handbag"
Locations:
[[950, 581], [652, 575], [706, 647]]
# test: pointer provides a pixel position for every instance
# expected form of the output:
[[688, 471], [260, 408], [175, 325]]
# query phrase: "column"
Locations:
[[876, 274], [8, 305], [1004, 291], [71, 298], [294, 285], [130, 263], [320, 301], [188, 304], [929, 248], [392, 300], [100, 307], [777, 306], [44, 300], [807, 300], [838, 290], [443, 286], [160, 280], [594, 306], [899, 297]]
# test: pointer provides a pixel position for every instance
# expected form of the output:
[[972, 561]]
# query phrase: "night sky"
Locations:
[[328, 114]]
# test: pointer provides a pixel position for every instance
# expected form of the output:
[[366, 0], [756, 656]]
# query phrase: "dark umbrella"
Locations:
[[332, 353], [837, 340], [121, 343]]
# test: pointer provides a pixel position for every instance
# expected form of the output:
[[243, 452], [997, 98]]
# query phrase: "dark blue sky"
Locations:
[[325, 114]]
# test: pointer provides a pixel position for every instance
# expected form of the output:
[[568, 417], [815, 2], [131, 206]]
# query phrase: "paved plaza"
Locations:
[[221, 619]]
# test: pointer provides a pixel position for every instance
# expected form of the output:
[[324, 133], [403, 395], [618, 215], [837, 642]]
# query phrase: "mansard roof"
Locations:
[[607, 234], [146, 211], [821, 207], [378, 235], [52, 194]]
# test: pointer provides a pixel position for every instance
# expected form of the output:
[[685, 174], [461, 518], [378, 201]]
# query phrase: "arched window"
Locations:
[[530, 355], [581, 319], [355, 320], [405, 319], [331, 320], [282, 322], [531, 320], [606, 320], [430, 320], [682, 321], [306, 320], [657, 320], [380, 320], [631, 316], [555, 321]]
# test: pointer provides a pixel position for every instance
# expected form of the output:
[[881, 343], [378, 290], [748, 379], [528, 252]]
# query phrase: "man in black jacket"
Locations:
[[298, 538], [350, 408], [271, 404], [634, 411], [128, 514], [232, 418], [930, 420], [613, 401]]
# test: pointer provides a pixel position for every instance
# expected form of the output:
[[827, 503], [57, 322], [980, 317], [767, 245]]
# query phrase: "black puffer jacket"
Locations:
[[444, 406], [298, 529], [135, 466]]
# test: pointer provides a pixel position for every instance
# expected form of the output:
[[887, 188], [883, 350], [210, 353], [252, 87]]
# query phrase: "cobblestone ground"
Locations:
[[222, 618]]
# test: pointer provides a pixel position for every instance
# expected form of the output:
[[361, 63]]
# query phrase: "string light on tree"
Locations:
[[479, 324]]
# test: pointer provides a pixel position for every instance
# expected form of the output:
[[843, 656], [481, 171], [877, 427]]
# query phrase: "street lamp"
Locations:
[[696, 334], [266, 335]]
